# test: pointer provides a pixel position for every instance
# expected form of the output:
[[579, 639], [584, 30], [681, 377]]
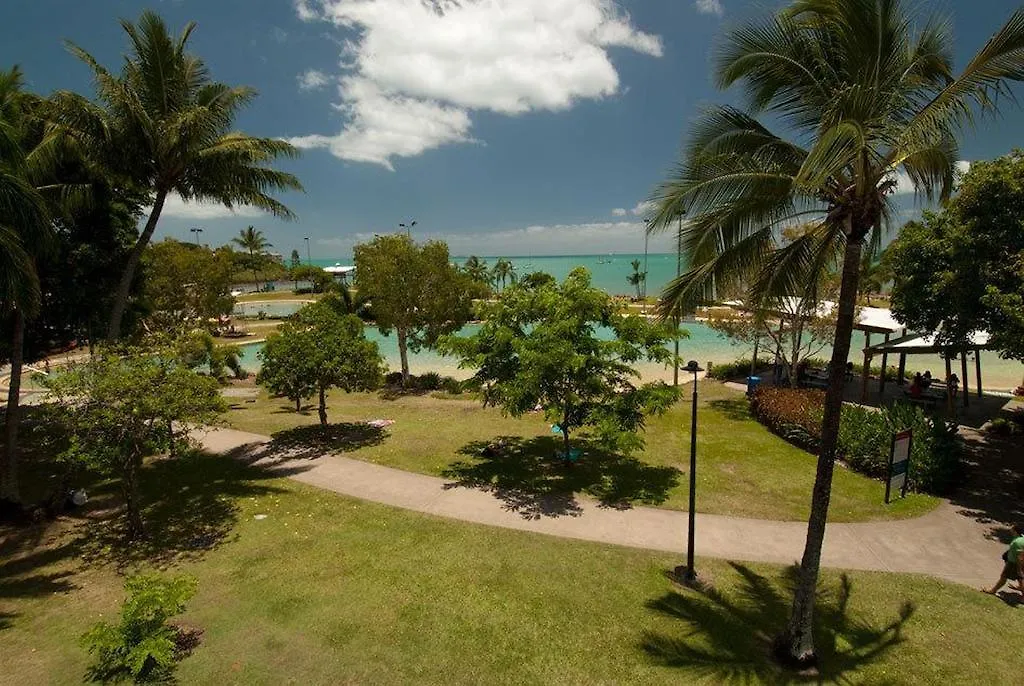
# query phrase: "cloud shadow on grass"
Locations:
[[530, 477], [726, 637]]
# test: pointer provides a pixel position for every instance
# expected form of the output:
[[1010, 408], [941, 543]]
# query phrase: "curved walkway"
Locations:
[[943, 543]]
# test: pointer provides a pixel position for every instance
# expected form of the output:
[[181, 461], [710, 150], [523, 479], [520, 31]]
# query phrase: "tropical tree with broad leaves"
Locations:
[[166, 125], [865, 90]]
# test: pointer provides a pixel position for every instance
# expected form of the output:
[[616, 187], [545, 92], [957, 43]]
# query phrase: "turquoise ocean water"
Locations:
[[609, 272]]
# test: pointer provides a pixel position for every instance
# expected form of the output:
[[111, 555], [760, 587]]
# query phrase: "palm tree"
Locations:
[[252, 240], [476, 268], [165, 125], [27, 158], [637, 278], [866, 90], [503, 271]]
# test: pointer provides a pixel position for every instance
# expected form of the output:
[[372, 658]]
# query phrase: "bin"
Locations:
[[752, 383]]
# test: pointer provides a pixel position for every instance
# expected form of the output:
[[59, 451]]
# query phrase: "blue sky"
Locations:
[[503, 126]]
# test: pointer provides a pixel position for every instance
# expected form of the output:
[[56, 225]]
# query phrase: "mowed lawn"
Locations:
[[743, 469], [329, 590]]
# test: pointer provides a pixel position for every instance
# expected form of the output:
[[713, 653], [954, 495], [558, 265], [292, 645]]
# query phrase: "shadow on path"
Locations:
[[726, 637], [532, 480], [993, 491]]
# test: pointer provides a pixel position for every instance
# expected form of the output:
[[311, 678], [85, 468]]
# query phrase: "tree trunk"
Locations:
[[125, 285], [565, 440], [133, 506], [323, 406], [9, 487], [403, 352], [796, 645], [255, 278], [298, 404]]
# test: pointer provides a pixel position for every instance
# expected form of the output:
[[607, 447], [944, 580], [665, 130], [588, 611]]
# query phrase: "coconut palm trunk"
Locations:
[[797, 643], [9, 489], [124, 286]]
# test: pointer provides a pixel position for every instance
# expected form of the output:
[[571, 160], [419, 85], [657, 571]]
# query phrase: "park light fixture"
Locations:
[[688, 574]]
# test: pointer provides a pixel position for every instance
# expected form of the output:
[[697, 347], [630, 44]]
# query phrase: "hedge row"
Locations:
[[865, 435]]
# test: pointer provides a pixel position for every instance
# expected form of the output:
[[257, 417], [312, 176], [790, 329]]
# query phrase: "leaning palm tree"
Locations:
[[252, 240], [865, 90], [503, 271], [163, 124]]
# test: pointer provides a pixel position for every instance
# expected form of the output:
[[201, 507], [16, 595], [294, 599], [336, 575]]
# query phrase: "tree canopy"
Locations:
[[414, 290], [185, 285], [317, 350], [119, 408], [569, 349], [961, 270]]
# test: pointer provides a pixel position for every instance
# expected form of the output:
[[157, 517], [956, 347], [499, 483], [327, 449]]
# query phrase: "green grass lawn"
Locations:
[[743, 469], [329, 590]]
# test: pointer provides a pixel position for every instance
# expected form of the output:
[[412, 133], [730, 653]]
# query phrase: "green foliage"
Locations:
[[318, 350], [478, 271], [414, 290], [962, 270], [865, 435], [320, 279], [197, 349], [539, 346], [727, 371], [142, 646], [637, 278], [185, 285], [119, 407]]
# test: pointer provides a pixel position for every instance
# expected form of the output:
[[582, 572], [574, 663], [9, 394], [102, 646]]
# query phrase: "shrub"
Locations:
[[393, 379], [736, 369], [865, 435], [1000, 426], [142, 646], [431, 381], [451, 385]]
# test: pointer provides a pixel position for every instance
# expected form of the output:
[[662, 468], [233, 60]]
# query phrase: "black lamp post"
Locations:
[[306, 238], [688, 574], [195, 232], [408, 228]]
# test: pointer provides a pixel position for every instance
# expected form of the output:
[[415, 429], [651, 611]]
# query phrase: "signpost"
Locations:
[[899, 461]]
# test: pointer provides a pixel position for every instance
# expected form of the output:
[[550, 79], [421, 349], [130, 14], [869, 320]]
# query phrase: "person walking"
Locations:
[[1013, 562]]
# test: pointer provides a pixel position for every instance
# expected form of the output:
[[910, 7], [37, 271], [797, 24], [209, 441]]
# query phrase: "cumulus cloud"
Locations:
[[542, 239], [710, 7], [904, 186], [430, 63], [175, 206], [311, 80], [619, 212], [644, 207]]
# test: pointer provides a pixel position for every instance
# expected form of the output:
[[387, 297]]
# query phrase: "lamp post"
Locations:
[[688, 574], [195, 233], [408, 229], [308, 261], [647, 233], [679, 269]]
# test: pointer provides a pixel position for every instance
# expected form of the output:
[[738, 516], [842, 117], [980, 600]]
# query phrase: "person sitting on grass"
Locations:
[[1013, 563]]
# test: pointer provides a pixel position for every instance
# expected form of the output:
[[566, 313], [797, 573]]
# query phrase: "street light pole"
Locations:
[[408, 229], [195, 232], [647, 230], [679, 269], [308, 261], [689, 573]]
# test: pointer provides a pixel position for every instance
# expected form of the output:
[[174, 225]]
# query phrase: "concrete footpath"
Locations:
[[943, 543]]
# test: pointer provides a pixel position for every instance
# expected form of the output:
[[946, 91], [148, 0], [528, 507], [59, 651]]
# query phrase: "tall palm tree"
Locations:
[[165, 125], [252, 240], [503, 271], [476, 268], [28, 156], [865, 89], [637, 278]]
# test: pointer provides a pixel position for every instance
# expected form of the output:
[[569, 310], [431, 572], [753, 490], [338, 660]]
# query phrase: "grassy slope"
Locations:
[[743, 469], [331, 590]]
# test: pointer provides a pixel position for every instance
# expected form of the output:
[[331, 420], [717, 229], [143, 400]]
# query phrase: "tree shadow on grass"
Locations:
[[313, 441], [736, 409], [30, 574], [530, 477], [189, 508], [727, 635]]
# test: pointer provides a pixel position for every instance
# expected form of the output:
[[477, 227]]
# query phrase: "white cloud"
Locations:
[[643, 207], [557, 239], [311, 80], [174, 206], [443, 59], [619, 212], [710, 7], [305, 12], [904, 186]]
